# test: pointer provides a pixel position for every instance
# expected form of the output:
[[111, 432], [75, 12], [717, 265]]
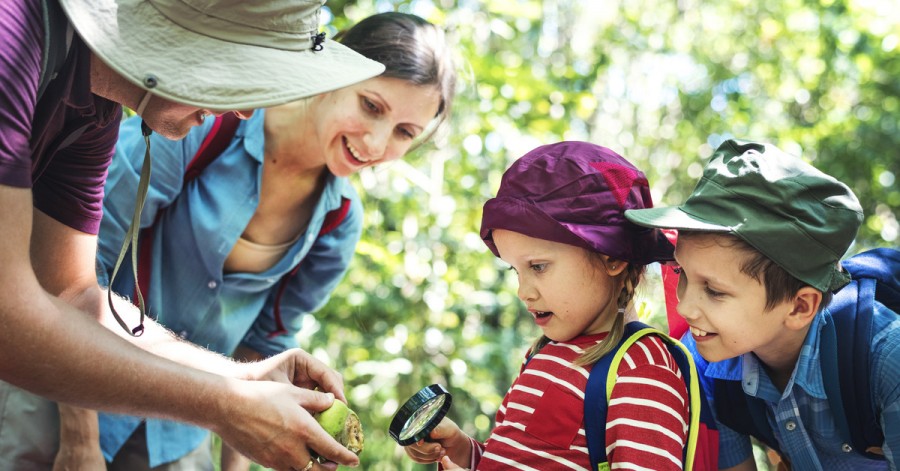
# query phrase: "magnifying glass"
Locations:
[[420, 414]]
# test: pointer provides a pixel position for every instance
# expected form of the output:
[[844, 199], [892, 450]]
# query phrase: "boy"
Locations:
[[760, 240]]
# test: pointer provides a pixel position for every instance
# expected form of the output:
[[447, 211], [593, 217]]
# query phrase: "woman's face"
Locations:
[[371, 122]]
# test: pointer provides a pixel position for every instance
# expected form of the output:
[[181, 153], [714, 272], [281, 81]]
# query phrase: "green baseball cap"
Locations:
[[799, 217]]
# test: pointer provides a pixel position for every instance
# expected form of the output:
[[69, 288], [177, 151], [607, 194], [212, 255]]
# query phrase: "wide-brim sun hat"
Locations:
[[576, 193], [220, 55], [801, 218]]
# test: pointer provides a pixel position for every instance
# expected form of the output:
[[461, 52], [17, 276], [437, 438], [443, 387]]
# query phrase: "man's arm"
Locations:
[[64, 260], [52, 349]]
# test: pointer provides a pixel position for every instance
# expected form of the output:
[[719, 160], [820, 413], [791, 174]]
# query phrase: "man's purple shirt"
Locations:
[[61, 146]]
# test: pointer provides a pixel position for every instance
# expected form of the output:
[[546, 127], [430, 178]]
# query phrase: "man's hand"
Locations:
[[79, 445], [298, 368], [273, 426]]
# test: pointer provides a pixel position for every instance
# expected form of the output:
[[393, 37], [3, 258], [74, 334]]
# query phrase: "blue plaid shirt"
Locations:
[[801, 417]]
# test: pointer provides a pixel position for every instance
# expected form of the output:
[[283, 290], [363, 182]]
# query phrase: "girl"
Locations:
[[227, 238], [558, 220]]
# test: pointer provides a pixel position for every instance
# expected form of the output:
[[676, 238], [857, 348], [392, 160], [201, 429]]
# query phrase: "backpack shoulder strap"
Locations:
[[742, 413], [216, 141], [57, 42], [602, 379], [333, 220], [846, 365]]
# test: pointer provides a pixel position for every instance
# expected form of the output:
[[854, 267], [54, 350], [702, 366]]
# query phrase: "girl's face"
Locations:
[[371, 122], [568, 290], [725, 308]]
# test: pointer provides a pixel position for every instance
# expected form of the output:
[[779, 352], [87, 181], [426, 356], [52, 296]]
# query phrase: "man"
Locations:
[[174, 62]]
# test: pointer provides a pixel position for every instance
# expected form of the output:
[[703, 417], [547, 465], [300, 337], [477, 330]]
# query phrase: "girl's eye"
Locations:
[[539, 267]]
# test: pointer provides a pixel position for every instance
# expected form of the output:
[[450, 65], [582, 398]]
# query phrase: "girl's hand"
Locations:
[[446, 439], [450, 465]]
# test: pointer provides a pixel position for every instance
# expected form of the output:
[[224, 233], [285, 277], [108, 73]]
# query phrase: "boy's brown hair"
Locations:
[[779, 284]]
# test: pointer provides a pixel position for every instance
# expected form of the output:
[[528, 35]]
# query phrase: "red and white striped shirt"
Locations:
[[540, 424]]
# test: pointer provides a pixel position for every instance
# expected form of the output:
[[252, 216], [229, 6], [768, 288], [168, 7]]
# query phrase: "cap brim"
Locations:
[[671, 218], [136, 40], [518, 216]]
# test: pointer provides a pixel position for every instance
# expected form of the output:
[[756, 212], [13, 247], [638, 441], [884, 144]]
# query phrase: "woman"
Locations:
[[225, 243]]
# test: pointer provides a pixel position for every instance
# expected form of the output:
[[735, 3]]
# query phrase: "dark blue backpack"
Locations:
[[875, 277], [701, 449]]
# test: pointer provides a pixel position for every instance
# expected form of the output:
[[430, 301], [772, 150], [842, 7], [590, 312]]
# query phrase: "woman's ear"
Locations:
[[805, 305], [614, 267]]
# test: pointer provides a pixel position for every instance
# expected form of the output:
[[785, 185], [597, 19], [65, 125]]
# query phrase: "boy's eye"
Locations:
[[406, 133], [538, 267], [713, 293]]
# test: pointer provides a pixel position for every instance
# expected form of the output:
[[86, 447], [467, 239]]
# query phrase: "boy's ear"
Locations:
[[806, 304]]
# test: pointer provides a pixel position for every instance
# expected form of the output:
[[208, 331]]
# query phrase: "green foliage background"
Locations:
[[663, 83]]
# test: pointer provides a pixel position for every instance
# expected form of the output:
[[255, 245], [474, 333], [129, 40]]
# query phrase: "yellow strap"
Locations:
[[693, 394]]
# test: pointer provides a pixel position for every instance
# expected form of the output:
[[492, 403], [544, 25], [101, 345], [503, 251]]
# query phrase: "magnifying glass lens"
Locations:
[[418, 416], [422, 417]]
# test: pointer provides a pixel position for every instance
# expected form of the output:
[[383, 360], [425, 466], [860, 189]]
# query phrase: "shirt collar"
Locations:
[[254, 135]]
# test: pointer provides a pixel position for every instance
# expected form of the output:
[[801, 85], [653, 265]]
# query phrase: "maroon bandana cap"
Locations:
[[576, 193]]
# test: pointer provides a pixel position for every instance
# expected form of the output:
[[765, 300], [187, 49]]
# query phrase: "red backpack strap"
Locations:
[[216, 141], [670, 274], [333, 219]]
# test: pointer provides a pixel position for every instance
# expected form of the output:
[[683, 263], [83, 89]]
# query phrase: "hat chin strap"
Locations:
[[143, 104]]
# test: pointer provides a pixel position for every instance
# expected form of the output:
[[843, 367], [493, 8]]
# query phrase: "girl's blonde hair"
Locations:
[[630, 278]]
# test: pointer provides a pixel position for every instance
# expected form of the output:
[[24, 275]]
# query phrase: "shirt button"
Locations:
[[846, 448], [212, 284], [790, 426], [183, 334]]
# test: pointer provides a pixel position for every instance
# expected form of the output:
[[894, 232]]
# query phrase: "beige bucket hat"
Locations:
[[219, 54]]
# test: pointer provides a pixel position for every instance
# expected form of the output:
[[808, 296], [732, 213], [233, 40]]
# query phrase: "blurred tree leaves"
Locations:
[[662, 83]]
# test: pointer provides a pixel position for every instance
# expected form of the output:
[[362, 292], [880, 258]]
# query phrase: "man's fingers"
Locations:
[[310, 373], [319, 440], [327, 447], [315, 401]]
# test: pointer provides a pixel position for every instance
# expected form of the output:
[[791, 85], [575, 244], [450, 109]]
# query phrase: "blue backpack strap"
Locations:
[[742, 413], [845, 358], [602, 379]]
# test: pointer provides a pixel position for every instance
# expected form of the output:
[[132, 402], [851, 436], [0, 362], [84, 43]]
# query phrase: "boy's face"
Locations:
[[566, 290], [725, 308]]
